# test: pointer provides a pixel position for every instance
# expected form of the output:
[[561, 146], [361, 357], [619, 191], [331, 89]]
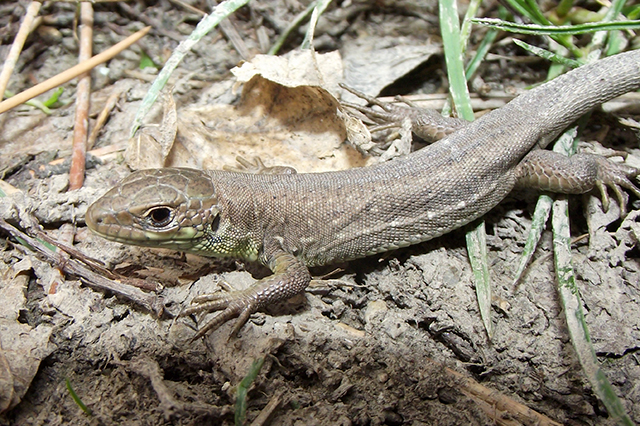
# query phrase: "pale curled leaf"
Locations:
[[287, 119], [298, 68], [372, 63]]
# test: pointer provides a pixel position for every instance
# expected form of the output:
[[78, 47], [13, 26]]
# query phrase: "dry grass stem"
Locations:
[[18, 43], [72, 72]]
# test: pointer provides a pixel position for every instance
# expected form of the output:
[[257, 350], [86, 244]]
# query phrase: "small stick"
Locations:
[[72, 72], [150, 302], [268, 409], [497, 402], [104, 114], [18, 43], [83, 101]]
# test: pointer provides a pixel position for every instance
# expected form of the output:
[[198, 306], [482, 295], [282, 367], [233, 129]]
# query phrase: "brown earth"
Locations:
[[377, 342]]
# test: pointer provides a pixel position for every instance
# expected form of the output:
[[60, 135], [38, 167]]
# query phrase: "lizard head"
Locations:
[[171, 208]]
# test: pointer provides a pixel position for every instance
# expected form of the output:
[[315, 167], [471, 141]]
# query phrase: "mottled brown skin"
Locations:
[[292, 221]]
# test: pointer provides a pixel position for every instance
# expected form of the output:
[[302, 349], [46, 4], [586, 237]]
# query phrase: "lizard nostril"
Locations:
[[93, 218]]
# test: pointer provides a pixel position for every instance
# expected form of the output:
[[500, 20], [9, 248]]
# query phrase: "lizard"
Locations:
[[293, 221]]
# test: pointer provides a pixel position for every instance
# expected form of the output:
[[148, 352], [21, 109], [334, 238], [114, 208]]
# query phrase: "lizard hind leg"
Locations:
[[427, 124], [578, 174], [616, 176]]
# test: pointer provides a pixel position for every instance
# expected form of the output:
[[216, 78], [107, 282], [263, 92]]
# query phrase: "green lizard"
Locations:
[[290, 222]]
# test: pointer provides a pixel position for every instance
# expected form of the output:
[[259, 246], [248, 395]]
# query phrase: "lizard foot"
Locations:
[[290, 277], [616, 176], [428, 124], [232, 304]]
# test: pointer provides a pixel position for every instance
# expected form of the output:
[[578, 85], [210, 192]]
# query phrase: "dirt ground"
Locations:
[[394, 339]]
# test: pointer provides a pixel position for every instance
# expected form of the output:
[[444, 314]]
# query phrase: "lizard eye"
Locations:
[[159, 216]]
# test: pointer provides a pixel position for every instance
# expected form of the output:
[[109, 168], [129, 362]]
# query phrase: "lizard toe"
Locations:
[[215, 322], [238, 304], [616, 176]]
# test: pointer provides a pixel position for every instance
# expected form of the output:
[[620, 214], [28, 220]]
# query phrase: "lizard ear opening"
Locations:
[[215, 223]]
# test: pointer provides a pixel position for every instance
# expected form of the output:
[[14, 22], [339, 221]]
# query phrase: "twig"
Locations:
[[18, 43], [83, 101], [502, 409], [150, 302], [149, 368], [188, 7], [104, 114], [154, 23], [66, 233], [67, 249], [72, 72], [229, 30], [268, 409]]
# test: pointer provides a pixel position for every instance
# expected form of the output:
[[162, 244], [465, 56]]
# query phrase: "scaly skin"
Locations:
[[292, 221]]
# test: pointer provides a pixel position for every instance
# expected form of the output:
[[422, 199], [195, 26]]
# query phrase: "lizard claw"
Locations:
[[616, 176], [428, 124], [240, 304]]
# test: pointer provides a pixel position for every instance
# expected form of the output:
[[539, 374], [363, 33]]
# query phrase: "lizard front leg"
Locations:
[[290, 277], [257, 167]]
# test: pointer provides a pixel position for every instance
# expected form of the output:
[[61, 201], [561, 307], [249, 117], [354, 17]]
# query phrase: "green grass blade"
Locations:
[[484, 46], [299, 19], [477, 250], [548, 55], [243, 390], [76, 398], [538, 221], [320, 6], [530, 10], [535, 13], [572, 306], [54, 98], [476, 238], [482, 51], [607, 39], [534, 29], [450, 29], [564, 6], [32, 103], [467, 24], [523, 8]]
